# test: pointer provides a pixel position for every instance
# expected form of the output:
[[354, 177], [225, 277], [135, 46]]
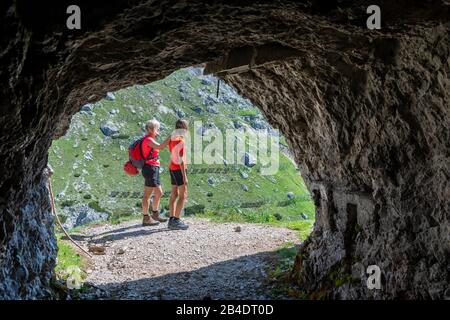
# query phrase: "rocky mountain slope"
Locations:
[[90, 184]]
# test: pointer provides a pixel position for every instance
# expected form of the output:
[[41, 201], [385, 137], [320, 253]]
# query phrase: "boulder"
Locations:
[[197, 110], [163, 109], [121, 250], [212, 110], [225, 99], [87, 113], [88, 156], [181, 88], [250, 118], [109, 129], [180, 113], [97, 250], [201, 130], [87, 107], [259, 124], [248, 160], [209, 101], [81, 214], [110, 96], [237, 124], [206, 82], [211, 125], [243, 174]]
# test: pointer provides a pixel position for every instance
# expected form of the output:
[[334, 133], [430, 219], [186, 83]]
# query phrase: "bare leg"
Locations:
[[148, 220], [146, 199], [157, 194], [182, 196], [173, 200]]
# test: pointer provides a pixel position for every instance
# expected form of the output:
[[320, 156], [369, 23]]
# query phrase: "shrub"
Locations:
[[278, 216], [96, 206], [67, 203], [121, 136], [198, 208], [250, 113]]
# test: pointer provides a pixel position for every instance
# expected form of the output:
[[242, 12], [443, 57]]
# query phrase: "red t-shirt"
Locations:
[[177, 153], [146, 150]]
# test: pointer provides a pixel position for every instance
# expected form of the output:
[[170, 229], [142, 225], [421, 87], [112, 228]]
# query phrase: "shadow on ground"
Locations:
[[116, 234], [241, 278]]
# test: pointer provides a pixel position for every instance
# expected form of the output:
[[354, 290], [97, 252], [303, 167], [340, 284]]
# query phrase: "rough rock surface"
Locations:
[[372, 140], [366, 114], [208, 260]]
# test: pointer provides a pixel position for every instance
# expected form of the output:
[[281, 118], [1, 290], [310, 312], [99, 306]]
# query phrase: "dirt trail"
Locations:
[[208, 260]]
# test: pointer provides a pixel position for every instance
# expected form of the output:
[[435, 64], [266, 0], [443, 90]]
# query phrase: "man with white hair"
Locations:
[[150, 171]]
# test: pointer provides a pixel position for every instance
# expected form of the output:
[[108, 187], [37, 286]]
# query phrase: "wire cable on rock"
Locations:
[[49, 174]]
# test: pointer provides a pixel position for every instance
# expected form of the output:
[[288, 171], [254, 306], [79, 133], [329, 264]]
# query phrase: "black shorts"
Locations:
[[176, 177], [151, 175]]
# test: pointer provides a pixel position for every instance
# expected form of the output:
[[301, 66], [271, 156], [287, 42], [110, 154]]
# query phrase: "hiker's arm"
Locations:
[[183, 171], [183, 164], [166, 142], [155, 145]]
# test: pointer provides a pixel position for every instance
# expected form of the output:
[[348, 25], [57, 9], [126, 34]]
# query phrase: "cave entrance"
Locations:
[[255, 180], [365, 112]]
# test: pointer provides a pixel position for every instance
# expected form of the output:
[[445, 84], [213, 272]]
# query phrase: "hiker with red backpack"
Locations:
[[144, 155]]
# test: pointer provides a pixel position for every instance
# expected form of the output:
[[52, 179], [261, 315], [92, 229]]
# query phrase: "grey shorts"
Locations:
[[176, 177], [151, 175]]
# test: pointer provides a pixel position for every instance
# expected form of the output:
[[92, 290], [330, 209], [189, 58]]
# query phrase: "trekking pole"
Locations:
[[59, 222]]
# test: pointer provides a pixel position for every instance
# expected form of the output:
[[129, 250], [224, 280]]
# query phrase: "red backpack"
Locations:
[[137, 159]]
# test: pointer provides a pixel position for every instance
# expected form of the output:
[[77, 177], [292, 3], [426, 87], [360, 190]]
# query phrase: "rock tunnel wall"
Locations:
[[366, 114], [372, 138]]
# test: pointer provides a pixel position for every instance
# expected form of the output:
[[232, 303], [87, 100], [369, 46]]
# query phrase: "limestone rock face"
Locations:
[[366, 114], [376, 160]]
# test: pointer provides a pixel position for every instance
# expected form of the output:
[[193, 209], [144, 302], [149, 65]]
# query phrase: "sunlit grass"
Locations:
[[67, 256], [286, 216]]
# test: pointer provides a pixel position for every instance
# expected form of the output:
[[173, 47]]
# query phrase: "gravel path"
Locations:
[[208, 260]]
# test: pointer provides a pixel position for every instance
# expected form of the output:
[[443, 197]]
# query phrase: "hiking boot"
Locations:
[[177, 224], [148, 221], [157, 217]]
